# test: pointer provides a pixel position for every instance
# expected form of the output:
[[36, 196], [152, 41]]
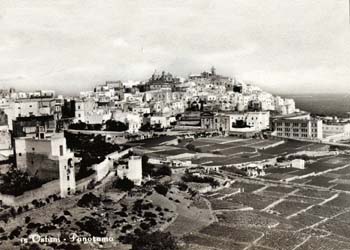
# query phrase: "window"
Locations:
[[19, 154], [61, 150], [33, 149], [67, 177]]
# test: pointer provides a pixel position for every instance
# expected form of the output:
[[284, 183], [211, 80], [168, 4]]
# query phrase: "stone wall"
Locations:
[[44, 191]]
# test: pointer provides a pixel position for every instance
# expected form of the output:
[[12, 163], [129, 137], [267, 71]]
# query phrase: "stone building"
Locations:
[[47, 158], [132, 171]]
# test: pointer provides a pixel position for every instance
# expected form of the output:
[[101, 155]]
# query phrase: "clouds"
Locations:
[[67, 45]]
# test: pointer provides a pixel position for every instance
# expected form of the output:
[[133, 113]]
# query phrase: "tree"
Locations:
[[16, 182], [145, 127], [123, 184], [89, 200], [118, 126], [92, 226], [191, 147], [78, 126], [154, 241], [163, 171], [161, 189], [147, 168]]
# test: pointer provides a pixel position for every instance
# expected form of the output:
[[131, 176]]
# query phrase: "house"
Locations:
[[335, 130], [5, 138], [48, 158], [298, 126], [132, 171], [30, 107], [27, 126]]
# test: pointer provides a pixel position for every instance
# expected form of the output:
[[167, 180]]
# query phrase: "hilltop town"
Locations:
[[202, 162]]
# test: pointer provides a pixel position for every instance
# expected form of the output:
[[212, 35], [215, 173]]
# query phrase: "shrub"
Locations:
[[123, 184], [161, 189], [92, 226], [126, 228], [16, 182], [27, 219], [89, 200]]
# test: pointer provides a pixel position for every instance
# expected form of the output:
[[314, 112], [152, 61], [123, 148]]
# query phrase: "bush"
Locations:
[[126, 228], [182, 186], [163, 171], [59, 220], [92, 226], [150, 215], [161, 189], [191, 147], [112, 125], [123, 184], [15, 233], [16, 182], [66, 212], [27, 219], [89, 200], [144, 226]]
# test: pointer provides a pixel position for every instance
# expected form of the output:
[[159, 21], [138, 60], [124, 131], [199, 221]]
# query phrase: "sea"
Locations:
[[323, 104]]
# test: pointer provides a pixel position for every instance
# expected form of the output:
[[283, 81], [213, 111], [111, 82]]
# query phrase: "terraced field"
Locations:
[[279, 215]]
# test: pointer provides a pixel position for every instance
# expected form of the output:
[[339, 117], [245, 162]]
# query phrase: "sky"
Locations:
[[280, 45]]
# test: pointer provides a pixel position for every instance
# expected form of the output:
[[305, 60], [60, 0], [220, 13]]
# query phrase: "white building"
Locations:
[[87, 110], [5, 138], [47, 158], [336, 128], [29, 107], [284, 106], [298, 163], [161, 121], [299, 126], [132, 171], [257, 120], [134, 121], [84, 108]]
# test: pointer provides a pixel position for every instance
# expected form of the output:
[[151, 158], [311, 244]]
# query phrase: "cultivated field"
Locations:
[[270, 213]]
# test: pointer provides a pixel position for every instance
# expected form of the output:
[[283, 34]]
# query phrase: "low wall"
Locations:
[[82, 184], [103, 168], [50, 188]]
